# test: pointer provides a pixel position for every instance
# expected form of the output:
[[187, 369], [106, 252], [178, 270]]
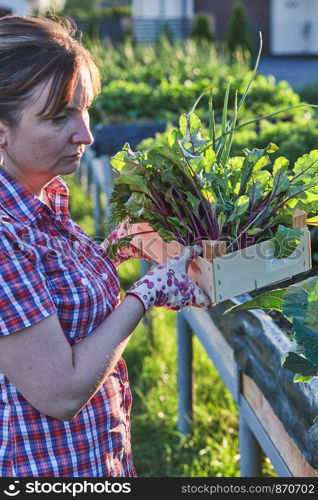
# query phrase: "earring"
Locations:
[[1, 155]]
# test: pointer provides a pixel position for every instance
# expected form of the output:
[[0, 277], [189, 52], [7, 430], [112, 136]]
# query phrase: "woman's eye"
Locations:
[[59, 119]]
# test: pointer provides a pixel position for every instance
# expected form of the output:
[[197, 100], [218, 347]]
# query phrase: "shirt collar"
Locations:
[[18, 202]]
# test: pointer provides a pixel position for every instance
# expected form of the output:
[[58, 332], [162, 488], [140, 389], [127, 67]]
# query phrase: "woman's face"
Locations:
[[39, 148]]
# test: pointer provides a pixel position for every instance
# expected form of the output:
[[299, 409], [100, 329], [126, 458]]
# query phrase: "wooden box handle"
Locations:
[[299, 219]]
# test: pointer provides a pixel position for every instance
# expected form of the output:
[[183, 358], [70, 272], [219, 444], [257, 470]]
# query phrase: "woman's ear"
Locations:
[[3, 133]]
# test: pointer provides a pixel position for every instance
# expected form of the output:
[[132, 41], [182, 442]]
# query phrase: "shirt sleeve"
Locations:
[[24, 295]]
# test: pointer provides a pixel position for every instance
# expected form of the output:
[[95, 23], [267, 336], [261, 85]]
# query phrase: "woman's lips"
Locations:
[[76, 156]]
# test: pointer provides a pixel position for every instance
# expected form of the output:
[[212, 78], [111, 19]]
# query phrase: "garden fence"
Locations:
[[275, 414]]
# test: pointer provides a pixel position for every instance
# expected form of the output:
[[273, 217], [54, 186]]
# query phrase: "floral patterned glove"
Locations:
[[169, 286]]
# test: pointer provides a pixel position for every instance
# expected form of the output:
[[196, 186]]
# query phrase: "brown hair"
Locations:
[[34, 50]]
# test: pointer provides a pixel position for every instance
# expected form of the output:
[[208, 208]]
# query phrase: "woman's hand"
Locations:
[[169, 286], [121, 240]]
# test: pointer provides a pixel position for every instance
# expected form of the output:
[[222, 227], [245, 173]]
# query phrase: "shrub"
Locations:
[[201, 29], [239, 37]]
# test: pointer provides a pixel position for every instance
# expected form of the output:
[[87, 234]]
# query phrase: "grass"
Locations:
[[159, 450]]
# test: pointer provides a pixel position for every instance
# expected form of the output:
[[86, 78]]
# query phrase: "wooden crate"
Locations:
[[223, 276]]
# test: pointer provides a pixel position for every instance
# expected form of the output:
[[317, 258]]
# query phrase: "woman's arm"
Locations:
[[59, 379]]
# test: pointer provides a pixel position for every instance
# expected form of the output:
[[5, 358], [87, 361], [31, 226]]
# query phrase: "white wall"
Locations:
[[25, 7], [294, 26], [163, 9], [16, 6]]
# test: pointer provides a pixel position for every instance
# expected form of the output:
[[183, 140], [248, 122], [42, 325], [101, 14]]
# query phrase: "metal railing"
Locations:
[[236, 346]]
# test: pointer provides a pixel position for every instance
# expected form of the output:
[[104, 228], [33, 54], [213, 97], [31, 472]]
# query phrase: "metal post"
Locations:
[[97, 209], [89, 175], [185, 335], [108, 185], [250, 451]]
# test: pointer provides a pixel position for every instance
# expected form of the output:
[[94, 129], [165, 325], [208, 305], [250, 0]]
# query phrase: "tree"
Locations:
[[201, 29], [239, 37], [82, 4]]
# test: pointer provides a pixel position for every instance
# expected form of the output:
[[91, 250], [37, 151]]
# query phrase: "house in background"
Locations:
[[25, 7], [294, 27], [289, 27], [151, 16], [13, 7]]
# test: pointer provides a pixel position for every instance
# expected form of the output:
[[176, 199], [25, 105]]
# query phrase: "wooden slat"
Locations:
[[299, 219], [228, 275], [201, 272], [213, 249], [255, 267], [285, 445]]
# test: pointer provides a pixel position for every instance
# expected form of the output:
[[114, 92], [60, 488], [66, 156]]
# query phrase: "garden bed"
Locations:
[[258, 344]]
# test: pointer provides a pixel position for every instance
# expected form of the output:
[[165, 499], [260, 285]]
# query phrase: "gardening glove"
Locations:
[[168, 285], [125, 249]]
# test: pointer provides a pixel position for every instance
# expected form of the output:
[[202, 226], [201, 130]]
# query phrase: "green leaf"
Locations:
[[192, 143], [136, 204], [133, 181], [302, 378], [281, 180], [173, 137], [166, 235], [253, 231], [295, 303], [248, 166], [117, 161], [313, 431], [241, 204], [307, 163], [272, 300], [301, 302], [299, 365], [258, 184], [285, 241], [189, 121], [177, 223], [279, 162], [194, 203], [271, 148]]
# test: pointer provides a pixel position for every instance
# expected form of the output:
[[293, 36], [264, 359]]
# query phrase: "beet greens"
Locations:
[[190, 189]]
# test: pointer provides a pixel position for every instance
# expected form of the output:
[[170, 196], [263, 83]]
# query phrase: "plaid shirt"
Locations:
[[49, 265]]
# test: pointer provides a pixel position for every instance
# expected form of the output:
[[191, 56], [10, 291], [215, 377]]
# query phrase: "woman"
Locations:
[[65, 397]]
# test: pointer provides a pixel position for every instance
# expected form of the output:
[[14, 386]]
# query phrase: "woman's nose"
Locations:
[[83, 134]]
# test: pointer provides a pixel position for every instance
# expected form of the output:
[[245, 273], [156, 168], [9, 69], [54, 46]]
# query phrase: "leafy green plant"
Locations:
[[161, 81], [299, 305], [190, 188]]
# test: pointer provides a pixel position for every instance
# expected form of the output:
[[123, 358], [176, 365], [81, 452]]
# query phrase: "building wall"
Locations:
[[151, 16], [162, 9], [25, 7], [15, 6], [294, 26], [258, 12]]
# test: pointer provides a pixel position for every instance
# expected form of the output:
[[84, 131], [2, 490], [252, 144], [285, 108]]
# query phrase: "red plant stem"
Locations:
[[191, 215], [213, 227], [252, 205], [164, 213], [179, 214]]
